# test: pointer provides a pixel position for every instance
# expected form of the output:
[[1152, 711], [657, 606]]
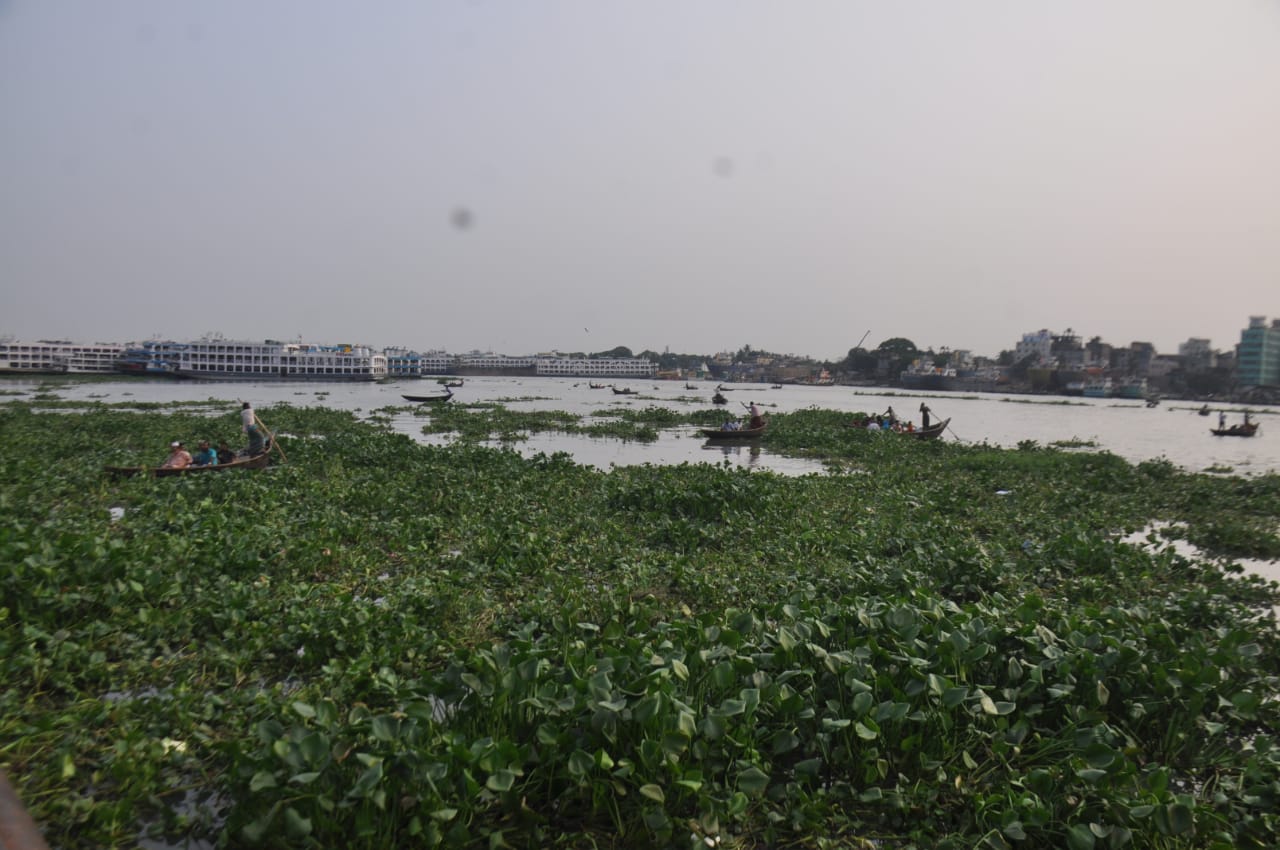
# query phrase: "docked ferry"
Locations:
[[150, 358], [273, 360], [59, 356]]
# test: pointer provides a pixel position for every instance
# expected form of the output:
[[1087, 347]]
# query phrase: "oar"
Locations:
[[275, 444]]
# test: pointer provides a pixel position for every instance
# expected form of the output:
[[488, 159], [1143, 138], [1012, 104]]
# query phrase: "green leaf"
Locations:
[[808, 767], [653, 792], [385, 727], [865, 733], [261, 780], [580, 763], [301, 778], [753, 781], [501, 780], [1181, 818], [1080, 837], [303, 710], [295, 825]]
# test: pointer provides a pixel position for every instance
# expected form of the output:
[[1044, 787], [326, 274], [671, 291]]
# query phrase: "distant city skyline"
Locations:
[[692, 176], [870, 344]]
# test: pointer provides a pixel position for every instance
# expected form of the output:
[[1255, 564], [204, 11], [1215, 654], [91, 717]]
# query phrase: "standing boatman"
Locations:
[[924, 416], [249, 425]]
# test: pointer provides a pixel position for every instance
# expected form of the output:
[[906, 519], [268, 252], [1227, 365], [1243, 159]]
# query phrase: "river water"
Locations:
[[1172, 430]]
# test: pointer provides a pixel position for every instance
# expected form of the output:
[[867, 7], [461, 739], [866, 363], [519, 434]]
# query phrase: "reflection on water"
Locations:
[[1269, 570]]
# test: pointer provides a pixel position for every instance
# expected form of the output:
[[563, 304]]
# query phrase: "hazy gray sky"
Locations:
[[533, 174]]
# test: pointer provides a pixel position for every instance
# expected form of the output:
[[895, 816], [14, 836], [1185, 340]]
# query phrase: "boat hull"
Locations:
[[255, 462], [740, 434]]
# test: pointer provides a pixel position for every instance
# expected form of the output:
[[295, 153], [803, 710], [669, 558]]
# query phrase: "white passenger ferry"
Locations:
[[272, 360], [59, 356]]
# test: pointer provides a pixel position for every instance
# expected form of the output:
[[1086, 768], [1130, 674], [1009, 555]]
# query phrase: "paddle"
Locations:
[[275, 444]]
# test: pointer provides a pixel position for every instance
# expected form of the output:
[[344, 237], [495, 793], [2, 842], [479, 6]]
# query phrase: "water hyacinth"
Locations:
[[381, 643]]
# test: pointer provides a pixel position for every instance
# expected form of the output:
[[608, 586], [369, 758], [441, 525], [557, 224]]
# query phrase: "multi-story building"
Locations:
[[1197, 355], [596, 367], [1258, 354], [1097, 354], [1039, 343]]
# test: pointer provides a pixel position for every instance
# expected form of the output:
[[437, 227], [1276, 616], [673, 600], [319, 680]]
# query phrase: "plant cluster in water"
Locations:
[[384, 644]]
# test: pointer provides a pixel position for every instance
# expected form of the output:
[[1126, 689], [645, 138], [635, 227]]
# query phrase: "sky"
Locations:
[[575, 175]]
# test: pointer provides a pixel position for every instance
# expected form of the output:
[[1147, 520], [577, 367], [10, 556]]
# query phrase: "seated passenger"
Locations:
[[225, 455], [178, 457], [204, 455]]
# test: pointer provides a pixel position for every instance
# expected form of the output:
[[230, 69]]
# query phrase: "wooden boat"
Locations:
[[428, 398], [623, 391], [719, 399], [739, 434], [1246, 430], [1204, 411], [776, 387], [690, 387], [596, 386], [257, 461], [933, 432], [453, 383]]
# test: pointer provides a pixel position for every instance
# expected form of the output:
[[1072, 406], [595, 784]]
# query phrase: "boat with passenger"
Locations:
[[246, 461]]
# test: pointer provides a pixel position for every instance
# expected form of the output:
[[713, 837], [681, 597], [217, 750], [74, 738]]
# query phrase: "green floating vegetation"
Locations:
[[387, 644]]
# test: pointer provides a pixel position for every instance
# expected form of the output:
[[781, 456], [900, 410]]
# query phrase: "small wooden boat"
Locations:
[[1204, 411], [623, 391], [719, 399], [596, 386], [933, 432], [723, 389], [453, 384], [735, 434], [776, 387], [257, 461], [428, 398], [1246, 430], [690, 387]]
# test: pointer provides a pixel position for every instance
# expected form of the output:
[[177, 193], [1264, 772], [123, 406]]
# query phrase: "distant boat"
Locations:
[[596, 386], [933, 432], [1248, 429], [719, 399], [1132, 388], [623, 391], [733, 433], [428, 398], [1099, 389], [690, 387]]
